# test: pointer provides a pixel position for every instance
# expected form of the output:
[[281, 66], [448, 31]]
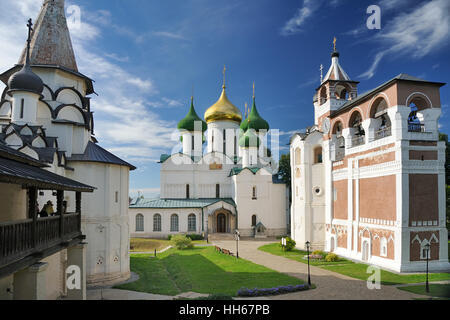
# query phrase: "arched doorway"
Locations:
[[221, 223]]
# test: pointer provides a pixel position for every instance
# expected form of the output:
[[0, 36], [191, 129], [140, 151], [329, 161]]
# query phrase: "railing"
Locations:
[[19, 239], [416, 127], [383, 133], [358, 141]]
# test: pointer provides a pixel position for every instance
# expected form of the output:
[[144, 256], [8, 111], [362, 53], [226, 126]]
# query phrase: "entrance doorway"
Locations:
[[221, 223]]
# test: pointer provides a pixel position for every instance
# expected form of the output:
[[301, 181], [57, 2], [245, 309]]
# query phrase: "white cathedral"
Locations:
[[230, 186]]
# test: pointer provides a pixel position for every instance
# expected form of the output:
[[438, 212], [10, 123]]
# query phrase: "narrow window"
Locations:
[[157, 223], [116, 196], [254, 193], [139, 223], [192, 223], [224, 142], [235, 146], [254, 220], [212, 140], [217, 191], [174, 223], [22, 105], [187, 192], [318, 155], [192, 141]]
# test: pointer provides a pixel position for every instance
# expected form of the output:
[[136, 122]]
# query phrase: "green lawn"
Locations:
[[352, 269], [436, 290], [202, 270], [149, 245]]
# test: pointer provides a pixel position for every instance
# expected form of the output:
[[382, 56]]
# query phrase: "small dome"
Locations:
[[26, 80], [255, 121], [188, 123], [249, 139], [223, 110]]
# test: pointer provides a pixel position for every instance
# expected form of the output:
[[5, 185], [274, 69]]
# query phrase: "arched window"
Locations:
[[318, 155], [323, 95], [217, 191], [157, 223], [297, 156], [357, 129], [139, 223], [174, 223], [192, 223], [254, 220], [424, 251], [383, 247], [414, 124], [341, 92], [381, 118]]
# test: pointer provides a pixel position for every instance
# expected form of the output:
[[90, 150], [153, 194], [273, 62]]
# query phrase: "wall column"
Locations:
[[31, 283]]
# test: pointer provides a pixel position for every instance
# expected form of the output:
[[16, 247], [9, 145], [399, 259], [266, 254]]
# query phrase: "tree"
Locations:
[[284, 170]]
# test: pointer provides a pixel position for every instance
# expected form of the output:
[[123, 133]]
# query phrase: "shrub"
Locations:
[[169, 237], [290, 244], [182, 242], [319, 253], [244, 292], [195, 237], [331, 257]]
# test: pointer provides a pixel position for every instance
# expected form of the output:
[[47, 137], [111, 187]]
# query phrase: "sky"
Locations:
[[149, 57]]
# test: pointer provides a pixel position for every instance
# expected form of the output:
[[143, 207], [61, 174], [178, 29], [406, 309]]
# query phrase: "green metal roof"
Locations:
[[255, 121], [178, 203], [236, 171]]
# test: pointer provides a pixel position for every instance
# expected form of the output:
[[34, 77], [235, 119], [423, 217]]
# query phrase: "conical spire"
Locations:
[[188, 123], [336, 72], [50, 39]]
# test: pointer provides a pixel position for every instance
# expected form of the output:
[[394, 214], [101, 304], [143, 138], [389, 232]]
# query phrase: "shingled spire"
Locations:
[[50, 40]]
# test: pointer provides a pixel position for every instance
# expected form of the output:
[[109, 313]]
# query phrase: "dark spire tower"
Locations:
[[50, 40]]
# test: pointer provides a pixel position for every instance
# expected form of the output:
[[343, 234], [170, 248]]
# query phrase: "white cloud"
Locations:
[[416, 34], [294, 25]]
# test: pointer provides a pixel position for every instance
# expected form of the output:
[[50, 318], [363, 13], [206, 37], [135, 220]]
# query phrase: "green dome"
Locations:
[[249, 139], [189, 121], [255, 121]]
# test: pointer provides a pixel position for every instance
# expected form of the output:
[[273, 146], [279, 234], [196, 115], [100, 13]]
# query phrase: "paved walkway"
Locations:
[[330, 285]]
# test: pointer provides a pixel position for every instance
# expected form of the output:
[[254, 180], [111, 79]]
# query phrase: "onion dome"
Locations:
[[255, 121], [223, 110], [249, 139], [188, 123], [25, 79]]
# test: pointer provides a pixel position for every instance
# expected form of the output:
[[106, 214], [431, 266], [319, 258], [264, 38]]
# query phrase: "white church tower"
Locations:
[[50, 119]]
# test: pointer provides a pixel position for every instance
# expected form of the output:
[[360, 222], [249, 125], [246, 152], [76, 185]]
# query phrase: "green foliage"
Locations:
[[182, 242], [195, 237], [284, 170], [331, 257], [290, 244], [319, 253]]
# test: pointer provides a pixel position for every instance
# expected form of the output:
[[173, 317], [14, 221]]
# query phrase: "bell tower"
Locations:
[[335, 89]]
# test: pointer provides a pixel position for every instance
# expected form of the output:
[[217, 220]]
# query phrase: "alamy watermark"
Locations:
[[374, 20], [74, 17], [374, 280], [73, 278]]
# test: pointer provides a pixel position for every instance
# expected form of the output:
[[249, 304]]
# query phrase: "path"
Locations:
[[330, 285]]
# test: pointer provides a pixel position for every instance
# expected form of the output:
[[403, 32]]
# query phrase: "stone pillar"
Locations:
[[76, 257], [31, 283]]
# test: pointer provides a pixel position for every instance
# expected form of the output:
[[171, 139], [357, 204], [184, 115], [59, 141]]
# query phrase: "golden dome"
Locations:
[[223, 110]]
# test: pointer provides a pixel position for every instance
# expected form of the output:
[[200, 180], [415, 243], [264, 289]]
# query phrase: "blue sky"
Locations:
[[147, 57]]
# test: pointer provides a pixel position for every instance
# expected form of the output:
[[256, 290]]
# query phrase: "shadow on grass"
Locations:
[[203, 271]]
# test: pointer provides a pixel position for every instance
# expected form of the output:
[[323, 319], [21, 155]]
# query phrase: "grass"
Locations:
[[352, 269], [201, 270], [149, 245], [436, 290]]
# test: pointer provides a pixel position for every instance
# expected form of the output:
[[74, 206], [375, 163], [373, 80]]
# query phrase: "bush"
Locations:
[[169, 237], [319, 253], [331, 257], [290, 244], [182, 242], [195, 237]]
